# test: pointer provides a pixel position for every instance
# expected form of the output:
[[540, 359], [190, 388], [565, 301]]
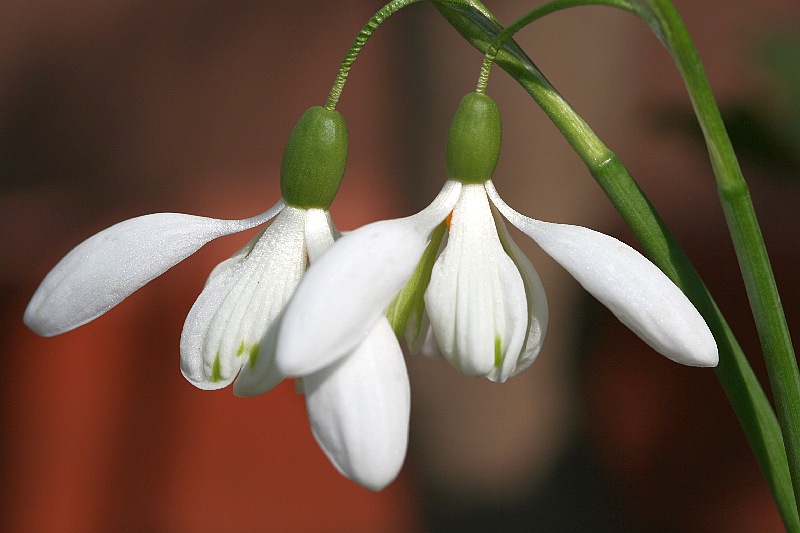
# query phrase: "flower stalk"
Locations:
[[361, 39]]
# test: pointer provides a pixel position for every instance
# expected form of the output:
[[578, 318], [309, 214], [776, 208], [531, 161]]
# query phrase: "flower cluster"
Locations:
[[299, 301]]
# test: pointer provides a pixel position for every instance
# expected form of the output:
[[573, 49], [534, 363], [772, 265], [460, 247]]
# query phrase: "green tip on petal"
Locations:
[[498, 351], [314, 160], [473, 145], [216, 370], [254, 350]]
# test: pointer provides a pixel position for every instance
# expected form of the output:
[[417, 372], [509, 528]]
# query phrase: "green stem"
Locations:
[[486, 70], [361, 39], [744, 392], [748, 242], [552, 7]]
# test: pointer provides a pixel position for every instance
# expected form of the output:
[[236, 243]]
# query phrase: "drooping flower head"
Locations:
[[231, 330], [358, 407], [230, 325], [464, 284]]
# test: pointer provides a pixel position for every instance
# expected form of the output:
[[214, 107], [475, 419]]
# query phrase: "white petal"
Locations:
[[419, 335], [538, 313], [343, 294], [240, 254], [233, 323], [106, 268], [515, 313], [476, 297], [428, 347], [359, 409], [194, 356], [633, 288], [319, 234]]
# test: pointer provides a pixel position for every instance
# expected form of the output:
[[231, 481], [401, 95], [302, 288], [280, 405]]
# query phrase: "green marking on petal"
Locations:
[[254, 354], [241, 349], [216, 370], [498, 351]]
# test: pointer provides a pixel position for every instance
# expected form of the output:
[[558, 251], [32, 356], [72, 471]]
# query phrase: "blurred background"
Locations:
[[115, 109]]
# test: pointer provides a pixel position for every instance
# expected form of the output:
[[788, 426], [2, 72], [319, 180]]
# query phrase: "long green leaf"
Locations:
[[747, 239], [744, 392]]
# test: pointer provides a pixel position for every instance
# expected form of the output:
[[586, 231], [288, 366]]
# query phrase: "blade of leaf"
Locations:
[[480, 28], [762, 291]]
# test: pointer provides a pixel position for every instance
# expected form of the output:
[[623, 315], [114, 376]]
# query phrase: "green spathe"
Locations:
[[314, 160], [473, 145]]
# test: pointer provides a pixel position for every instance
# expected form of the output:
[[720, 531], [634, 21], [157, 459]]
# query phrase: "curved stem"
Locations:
[[366, 32], [483, 78], [361, 39], [535, 14], [552, 7]]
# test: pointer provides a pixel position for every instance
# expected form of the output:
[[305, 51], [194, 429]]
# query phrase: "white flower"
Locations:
[[358, 406], [484, 301], [232, 324]]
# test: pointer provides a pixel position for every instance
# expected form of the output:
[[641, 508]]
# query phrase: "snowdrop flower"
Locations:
[[452, 274], [358, 407]]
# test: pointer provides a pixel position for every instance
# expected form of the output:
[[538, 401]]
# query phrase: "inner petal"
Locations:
[[476, 298], [244, 317], [259, 373], [536, 302]]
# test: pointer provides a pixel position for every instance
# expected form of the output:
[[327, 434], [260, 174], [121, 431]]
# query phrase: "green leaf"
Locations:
[[748, 242], [744, 392]]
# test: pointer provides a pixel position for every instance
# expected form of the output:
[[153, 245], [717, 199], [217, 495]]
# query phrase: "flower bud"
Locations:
[[473, 145], [314, 160]]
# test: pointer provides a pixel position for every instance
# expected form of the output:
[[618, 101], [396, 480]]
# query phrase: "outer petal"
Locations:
[[234, 320], [538, 313], [476, 298], [344, 293], [359, 409], [106, 268], [633, 288]]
